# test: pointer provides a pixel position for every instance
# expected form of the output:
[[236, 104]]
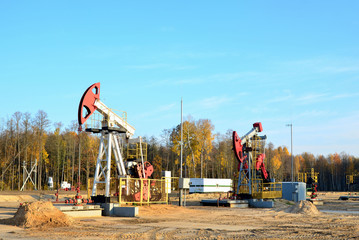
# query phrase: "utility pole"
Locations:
[[291, 148], [181, 175]]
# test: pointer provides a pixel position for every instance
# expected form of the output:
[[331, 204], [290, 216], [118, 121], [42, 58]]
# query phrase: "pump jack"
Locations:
[[253, 178], [115, 131]]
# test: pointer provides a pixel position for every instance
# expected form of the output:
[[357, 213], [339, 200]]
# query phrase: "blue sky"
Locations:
[[234, 62]]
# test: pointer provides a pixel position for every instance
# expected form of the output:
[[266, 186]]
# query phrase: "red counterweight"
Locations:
[[260, 164], [87, 103], [237, 147]]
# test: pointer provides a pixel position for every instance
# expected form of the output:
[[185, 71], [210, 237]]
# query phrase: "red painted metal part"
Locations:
[[237, 147], [145, 193], [238, 152], [148, 170], [260, 164], [259, 125], [87, 102], [260, 160]]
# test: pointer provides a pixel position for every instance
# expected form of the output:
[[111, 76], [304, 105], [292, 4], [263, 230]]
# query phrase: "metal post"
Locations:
[[23, 172], [148, 191], [181, 190], [292, 169], [143, 164], [108, 165], [88, 188], [120, 191], [291, 150], [35, 170], [250, 180], [181, 134], [141, 197], [79, 178]]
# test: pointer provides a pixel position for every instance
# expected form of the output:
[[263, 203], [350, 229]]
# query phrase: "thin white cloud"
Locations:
[[160, 66], [323, 65], [280, 99], [313, 114], [339, 69], [199, 55], [323, 97], [158, 110], [216, 78], [214, 102], [312, 97], [176, 82], [165, 107], [147, 66], [345, 95]]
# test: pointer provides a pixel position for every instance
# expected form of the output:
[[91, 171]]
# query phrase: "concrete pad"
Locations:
[[108, 208], [80, 211], [259, 203], [125, 211], [84, 213], [114, 209], [225, 202], [69, 208], [76, 207]]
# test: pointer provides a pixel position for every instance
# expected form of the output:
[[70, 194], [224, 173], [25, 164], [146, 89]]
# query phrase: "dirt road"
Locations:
[[197, 222]]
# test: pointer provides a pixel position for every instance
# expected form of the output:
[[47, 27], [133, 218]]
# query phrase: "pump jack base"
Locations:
[[225, 203], [103, 199], [254, 203]]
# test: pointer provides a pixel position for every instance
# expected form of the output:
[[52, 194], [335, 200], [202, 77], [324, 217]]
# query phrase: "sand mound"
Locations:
[[304, 207], [39, 214]]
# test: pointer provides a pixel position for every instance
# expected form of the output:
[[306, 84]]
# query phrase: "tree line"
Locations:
[[65, 154]]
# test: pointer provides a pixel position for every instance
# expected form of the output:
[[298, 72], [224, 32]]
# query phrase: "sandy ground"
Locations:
[[198, 222]]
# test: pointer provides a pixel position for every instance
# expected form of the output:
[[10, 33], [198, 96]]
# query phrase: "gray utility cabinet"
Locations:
[[294, 191]]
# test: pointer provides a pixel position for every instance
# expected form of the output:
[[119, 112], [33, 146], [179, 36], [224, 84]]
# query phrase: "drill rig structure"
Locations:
[[115, 132], [253, 178]]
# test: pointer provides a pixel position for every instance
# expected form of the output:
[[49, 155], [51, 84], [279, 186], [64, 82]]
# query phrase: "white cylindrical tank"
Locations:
[[167, 176], [50, 183]]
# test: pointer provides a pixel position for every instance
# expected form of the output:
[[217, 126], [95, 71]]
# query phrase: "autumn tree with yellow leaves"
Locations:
[[57, 149], [197, 146]]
